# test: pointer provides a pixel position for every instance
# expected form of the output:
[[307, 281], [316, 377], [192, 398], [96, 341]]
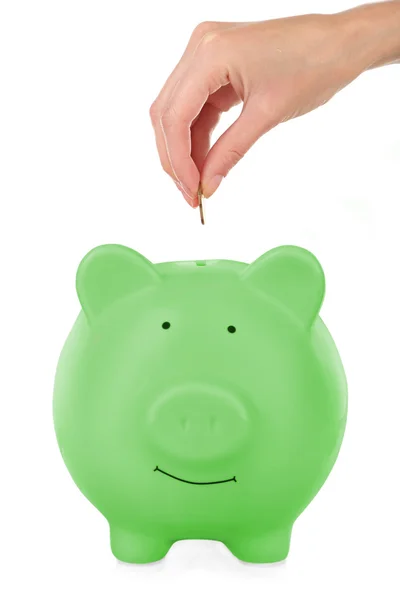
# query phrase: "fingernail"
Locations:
[[211, 186]]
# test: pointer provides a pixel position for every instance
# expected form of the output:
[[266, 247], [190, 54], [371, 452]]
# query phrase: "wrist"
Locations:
[[371, 34]]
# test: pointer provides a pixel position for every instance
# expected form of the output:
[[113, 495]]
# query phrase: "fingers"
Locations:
[[233, 145], [201, 132], [159, 105], [185, 104], [204, 125]]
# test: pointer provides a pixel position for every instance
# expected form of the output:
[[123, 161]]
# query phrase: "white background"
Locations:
[[78, 167]]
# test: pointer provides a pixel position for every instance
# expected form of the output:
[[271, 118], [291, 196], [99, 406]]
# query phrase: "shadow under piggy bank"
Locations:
[[200, 400]]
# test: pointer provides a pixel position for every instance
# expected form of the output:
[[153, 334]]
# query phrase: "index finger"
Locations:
[[185, 104]]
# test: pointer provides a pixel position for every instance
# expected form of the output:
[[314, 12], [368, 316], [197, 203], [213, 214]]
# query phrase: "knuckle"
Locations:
[[233, 155], [154, 113], [203, 28], [211, 40]]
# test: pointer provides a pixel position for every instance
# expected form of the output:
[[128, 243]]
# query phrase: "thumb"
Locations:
[[232, 146]]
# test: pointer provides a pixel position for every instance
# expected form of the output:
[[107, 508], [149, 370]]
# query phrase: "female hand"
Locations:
[[278, 69]]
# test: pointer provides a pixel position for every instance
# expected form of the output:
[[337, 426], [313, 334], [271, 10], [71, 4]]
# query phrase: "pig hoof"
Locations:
[[137, 548], [269, 548]]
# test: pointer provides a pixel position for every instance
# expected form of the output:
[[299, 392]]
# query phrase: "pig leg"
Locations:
[[269, 547], [131, 547]]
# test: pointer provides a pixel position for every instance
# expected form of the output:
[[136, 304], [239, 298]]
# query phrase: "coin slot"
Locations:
[[201, 263]]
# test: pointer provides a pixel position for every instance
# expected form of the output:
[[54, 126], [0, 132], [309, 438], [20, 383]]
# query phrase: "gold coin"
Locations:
[[200, 199]]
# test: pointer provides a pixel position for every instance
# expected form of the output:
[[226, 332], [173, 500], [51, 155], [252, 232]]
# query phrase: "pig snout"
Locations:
[[198, 422]]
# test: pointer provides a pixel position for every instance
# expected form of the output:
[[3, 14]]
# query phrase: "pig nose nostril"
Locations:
[[184, 423]]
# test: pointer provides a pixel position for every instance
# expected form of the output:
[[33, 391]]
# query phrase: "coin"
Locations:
[[200, 199]]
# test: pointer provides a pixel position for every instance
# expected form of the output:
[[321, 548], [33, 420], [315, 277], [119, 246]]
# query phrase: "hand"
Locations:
[[278, 69]]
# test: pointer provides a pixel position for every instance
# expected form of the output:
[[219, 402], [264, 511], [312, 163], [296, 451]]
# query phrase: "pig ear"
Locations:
[[110, 272], [292, 277]]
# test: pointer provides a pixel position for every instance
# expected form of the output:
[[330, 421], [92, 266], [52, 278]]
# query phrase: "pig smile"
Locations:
[[195, 482]]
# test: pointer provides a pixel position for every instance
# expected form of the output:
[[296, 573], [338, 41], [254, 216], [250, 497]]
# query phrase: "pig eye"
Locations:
[[166, 325], [231, 329]]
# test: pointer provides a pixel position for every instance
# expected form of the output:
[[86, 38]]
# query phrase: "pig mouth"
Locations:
[[195, 482]]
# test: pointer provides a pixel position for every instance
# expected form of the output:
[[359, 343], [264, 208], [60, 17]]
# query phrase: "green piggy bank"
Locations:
[[200, 399]]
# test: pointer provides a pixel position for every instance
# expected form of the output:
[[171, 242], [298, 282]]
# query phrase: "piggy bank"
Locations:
[[200, 400]]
